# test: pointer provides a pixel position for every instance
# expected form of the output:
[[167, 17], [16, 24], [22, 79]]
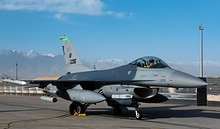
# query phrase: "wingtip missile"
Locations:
[[14, 81]]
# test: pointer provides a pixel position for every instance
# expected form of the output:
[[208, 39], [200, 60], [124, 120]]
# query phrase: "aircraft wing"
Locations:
[[67, 84]]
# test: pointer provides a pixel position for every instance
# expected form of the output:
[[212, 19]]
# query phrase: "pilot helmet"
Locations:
[[151, 60]]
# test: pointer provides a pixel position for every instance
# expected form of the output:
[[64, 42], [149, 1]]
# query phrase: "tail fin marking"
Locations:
[[72, 61]]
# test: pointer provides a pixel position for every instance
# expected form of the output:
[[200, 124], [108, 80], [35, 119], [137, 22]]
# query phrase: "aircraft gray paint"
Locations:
[[121, 87]]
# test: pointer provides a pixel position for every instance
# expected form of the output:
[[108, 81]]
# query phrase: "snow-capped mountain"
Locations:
[[107, 63], [50, 55], [30, 64], [211, 68], [29, 54]]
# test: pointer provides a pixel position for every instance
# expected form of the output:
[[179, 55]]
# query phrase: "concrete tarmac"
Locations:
[[29, 112]]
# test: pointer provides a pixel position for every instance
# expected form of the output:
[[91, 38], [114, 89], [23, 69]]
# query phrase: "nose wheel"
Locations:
[[138, 114]]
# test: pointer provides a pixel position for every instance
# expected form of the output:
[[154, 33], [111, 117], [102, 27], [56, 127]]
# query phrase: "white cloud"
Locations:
[[89, 7], [59, 16], [119, 14], [59, 7], [112, 13]]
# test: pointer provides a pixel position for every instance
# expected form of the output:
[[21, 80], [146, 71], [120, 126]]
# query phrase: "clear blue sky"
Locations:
[[125, 29]]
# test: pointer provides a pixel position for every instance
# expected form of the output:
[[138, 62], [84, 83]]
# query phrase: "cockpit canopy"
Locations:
[[149, 62]]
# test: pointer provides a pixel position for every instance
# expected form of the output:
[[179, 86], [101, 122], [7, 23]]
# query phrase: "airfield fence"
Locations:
[[7, 88]]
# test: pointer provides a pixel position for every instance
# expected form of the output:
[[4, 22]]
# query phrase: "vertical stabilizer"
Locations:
[[72, 61]]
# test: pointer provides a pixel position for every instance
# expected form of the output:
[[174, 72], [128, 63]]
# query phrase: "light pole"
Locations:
[[201, 49], [16, 74], [202, 91]]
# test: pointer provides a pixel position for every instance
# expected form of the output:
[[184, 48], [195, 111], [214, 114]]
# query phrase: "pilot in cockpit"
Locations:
[[151, 63]]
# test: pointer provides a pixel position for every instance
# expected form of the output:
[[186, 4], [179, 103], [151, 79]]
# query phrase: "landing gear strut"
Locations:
[[138, 114], [77, 108]]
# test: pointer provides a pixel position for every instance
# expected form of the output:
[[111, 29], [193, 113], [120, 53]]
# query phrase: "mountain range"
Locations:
[[31, 64]]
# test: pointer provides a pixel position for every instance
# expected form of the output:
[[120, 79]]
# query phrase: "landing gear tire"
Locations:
[[117, 111], [77, 108], [72, 108], [138, 115]]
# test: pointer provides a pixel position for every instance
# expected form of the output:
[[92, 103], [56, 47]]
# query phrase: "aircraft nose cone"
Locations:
[[183, 80]]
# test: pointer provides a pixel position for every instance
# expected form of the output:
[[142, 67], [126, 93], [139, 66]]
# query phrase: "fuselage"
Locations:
[[134, 73]]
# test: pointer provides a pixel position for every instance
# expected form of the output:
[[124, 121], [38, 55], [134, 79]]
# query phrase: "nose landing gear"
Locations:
[[138, 114], [117, 108]]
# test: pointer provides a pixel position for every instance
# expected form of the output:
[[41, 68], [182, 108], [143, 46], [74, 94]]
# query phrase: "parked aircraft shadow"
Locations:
[[180, 111], [167, 112]]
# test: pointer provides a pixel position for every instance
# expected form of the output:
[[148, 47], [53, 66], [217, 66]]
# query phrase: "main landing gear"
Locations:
[[77, 108]]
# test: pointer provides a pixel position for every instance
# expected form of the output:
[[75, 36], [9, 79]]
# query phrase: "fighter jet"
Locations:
[[121, 87]]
